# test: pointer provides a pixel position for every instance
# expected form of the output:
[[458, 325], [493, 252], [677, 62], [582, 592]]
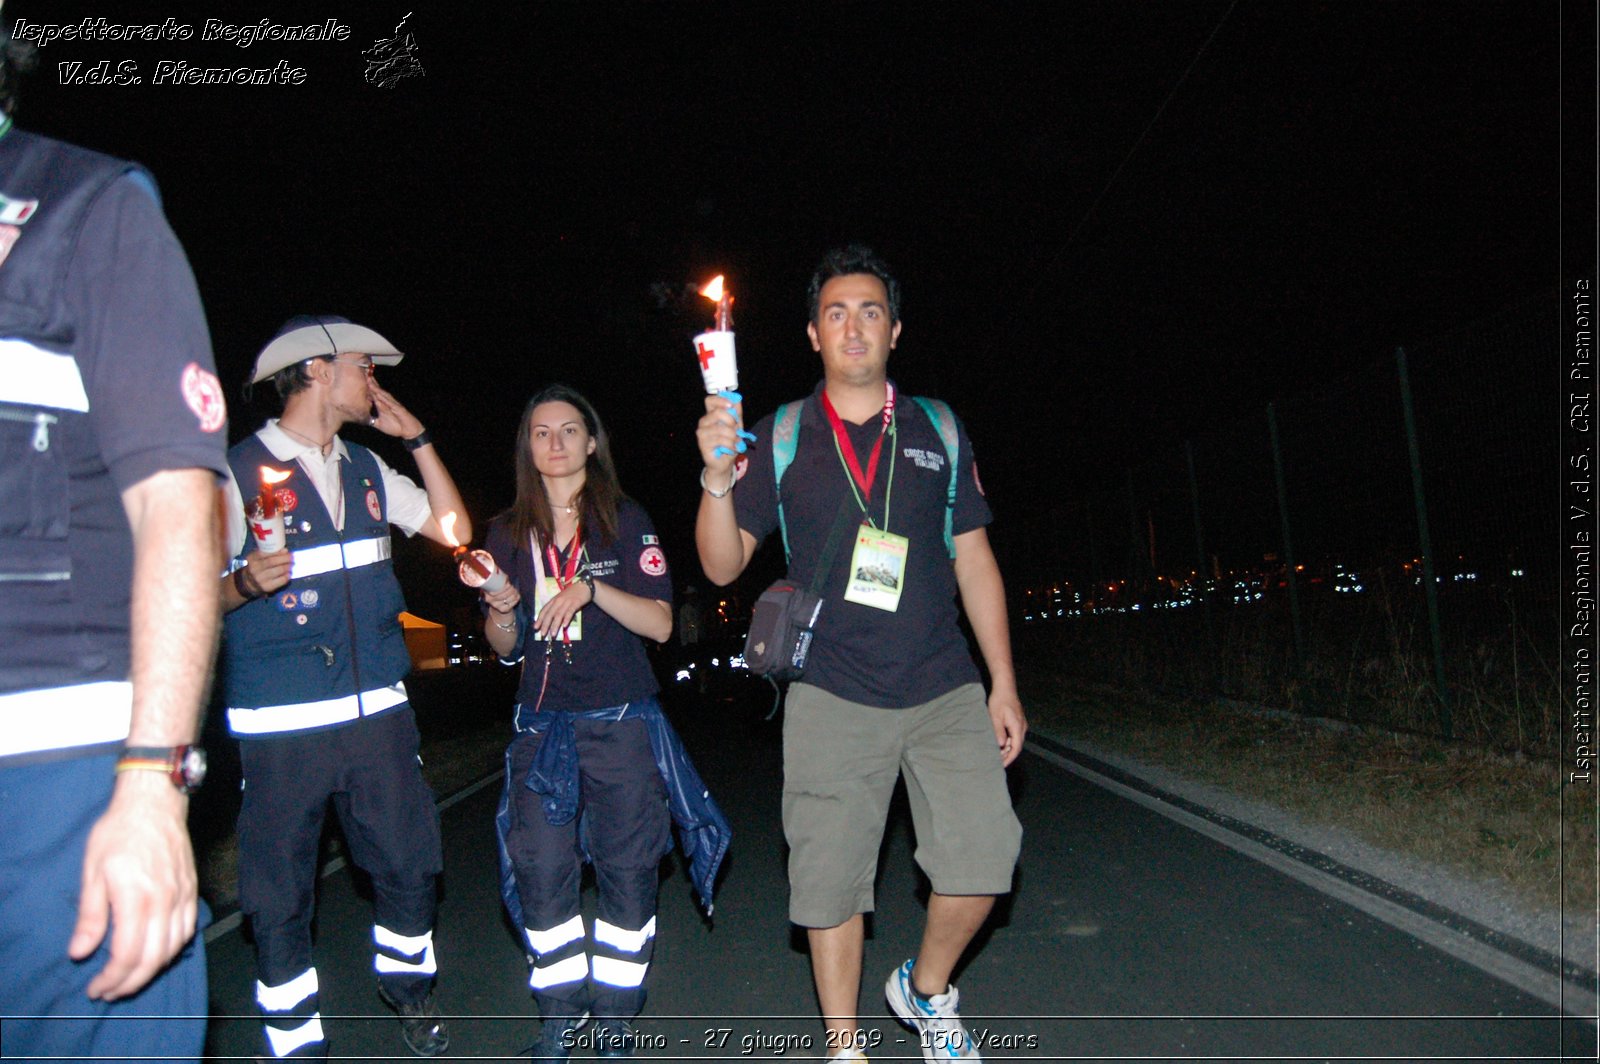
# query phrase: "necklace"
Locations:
[[307, 440]]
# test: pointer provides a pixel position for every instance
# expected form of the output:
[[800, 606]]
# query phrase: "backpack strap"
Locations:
[[944, 420], [785, 441]]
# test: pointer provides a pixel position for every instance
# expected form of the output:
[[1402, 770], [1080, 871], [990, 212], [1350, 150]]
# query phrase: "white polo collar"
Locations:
[[285, 448]]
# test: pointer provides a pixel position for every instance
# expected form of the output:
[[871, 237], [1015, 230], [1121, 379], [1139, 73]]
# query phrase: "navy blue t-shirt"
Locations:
[[608, 665], [862, 653]]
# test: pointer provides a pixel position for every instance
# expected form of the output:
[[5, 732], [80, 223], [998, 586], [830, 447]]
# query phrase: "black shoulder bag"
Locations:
[[785, 617]]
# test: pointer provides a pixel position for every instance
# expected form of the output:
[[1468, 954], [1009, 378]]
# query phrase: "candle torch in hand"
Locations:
[[266, 517], [719, 363], [476, 568]]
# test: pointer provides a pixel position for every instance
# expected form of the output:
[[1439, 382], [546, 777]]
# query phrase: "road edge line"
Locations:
[[1462, 939]]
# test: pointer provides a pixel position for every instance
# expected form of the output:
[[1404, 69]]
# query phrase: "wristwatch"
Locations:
[[184, 765]]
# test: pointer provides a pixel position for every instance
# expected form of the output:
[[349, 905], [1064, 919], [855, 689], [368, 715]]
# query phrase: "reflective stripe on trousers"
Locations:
[[558, 953], [290, 1014], [621, 956], [402, 954]]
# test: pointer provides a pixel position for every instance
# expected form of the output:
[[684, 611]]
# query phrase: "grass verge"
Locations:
[[1480, 814]]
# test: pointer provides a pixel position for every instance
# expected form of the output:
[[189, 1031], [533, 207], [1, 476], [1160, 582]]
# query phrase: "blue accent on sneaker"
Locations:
[[936, 1020]]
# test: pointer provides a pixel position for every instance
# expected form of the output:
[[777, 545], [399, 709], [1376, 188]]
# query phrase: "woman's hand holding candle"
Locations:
[[505, 600]]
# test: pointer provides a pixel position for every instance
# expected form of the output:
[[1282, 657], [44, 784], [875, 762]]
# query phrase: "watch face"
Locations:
[[191, 770]]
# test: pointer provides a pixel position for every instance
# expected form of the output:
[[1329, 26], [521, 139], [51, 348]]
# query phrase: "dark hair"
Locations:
[[17, 59], [597, 500], [854, 258], [295, 378]]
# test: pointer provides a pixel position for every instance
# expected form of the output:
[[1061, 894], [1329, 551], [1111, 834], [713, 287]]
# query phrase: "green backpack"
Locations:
[[786, 440]]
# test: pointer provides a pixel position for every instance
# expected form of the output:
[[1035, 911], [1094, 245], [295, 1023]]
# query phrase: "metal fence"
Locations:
[[1382, 549]]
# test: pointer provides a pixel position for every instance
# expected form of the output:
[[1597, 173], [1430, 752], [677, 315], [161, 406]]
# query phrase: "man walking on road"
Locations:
[[111, 453], [314, 663], [889, 688]]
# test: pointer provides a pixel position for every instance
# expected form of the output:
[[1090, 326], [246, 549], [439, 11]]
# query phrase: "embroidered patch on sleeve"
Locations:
[[203, 392]]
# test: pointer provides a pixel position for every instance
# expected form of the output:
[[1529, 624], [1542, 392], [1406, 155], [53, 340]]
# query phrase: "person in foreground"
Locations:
[[314, 662], [889, 687], [594, 769], [111, 452]]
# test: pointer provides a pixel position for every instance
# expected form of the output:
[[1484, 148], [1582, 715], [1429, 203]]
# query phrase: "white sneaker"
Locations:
[[848, 1056], [937, 1023]]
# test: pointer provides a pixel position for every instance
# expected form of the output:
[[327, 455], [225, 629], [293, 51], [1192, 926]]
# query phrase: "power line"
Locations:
[[1055, 258]]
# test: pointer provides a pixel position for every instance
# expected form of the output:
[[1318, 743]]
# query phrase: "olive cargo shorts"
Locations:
[[840, 762]]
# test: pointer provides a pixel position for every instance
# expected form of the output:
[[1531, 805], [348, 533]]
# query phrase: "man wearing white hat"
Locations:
[[314, 663]]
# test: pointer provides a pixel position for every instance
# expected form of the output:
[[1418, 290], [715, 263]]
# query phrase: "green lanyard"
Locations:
[[888, 489]]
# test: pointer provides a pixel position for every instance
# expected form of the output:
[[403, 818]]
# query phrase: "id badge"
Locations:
[[877, 569], [549, 588]]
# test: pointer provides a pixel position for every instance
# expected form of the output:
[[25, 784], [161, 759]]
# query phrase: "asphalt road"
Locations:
[[1128, 937]]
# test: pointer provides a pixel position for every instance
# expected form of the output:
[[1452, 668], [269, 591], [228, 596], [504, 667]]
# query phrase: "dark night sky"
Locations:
[[1111, 219]]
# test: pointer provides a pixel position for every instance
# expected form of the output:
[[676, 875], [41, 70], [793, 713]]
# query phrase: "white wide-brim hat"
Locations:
[[320, 336]]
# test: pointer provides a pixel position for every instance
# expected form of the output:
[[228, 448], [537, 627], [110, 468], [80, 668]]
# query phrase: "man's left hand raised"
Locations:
[[392, 418]]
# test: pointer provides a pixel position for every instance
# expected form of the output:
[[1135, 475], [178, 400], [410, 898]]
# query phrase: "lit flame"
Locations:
[[447, 524], [713, 291], [274, 476]]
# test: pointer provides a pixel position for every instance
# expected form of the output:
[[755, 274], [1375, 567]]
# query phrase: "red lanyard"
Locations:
[[562, 580], [848, 449], [575, 548]]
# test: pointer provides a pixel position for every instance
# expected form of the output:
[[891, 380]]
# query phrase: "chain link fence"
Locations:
[[1287, 558]]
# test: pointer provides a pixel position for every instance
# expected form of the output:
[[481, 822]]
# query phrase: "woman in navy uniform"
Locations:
[[589, 584]]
